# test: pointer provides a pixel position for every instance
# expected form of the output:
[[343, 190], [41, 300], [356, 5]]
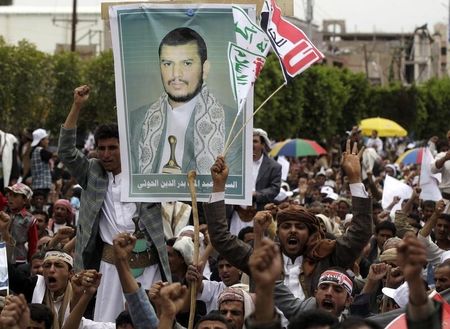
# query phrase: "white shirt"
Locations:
[[177, 120], [434, 253], [236, 224], [210, 293], [89, 324], [376, 143], [116, 217], [255, 170], [444, 170], [292, 276]]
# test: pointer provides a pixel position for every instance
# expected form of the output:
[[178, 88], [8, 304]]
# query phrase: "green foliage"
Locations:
[[99, 74], [277, 111], [358, 91], [66, 73], [325, 96], [435, 108], [311, 106], [36, 91], [24, 85]]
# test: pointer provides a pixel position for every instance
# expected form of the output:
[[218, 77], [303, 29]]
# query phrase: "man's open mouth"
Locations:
[[292, 241], [328, 305]]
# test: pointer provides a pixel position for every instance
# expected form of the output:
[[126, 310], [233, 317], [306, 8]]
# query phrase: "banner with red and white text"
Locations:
[[293, 48]]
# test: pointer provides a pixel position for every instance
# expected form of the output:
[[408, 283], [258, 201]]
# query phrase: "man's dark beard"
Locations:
[[188, 97]]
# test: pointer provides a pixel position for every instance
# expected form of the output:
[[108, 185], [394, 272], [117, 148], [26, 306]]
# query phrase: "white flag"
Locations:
[[428, 182], [247, 56], [392, 188]]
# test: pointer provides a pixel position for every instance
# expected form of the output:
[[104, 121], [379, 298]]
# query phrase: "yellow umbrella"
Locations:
[[385, 127]]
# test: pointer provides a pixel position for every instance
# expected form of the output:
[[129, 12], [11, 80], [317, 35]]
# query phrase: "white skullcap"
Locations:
[[185, 246]]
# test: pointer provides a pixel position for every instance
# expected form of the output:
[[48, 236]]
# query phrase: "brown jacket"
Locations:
[[348, 246]]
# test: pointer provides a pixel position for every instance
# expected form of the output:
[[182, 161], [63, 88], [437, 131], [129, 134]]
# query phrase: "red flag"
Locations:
[[293, 48]]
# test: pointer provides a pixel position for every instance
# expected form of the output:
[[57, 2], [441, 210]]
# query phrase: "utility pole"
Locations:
[[74, 26], [366, 61], [309, 17]]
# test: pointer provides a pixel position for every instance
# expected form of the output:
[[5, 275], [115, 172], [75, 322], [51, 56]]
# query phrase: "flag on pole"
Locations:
[[4, 282], [293, 48], [247, 56], [429, 183]]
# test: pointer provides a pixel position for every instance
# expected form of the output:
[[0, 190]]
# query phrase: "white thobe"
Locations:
[[116, 217], [292, 276], [210, 293]]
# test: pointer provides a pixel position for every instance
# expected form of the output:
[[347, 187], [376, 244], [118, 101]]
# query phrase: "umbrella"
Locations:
[[277, 146], [297, 148], [413, 156], [385, 127]]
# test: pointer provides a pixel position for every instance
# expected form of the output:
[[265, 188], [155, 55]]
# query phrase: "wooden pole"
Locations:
[[193, 288]]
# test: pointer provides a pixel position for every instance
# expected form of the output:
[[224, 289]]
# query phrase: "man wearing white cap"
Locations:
[[235, 304], [40, 157], [266, 182]]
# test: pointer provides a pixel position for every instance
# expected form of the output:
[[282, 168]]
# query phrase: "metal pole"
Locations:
[[74, 26]]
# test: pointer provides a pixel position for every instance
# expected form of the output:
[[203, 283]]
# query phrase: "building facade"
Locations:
[[50, 28], [411, 57]]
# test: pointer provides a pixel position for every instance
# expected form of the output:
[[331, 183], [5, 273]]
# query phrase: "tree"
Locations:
[[325, 96], [401, 104], [435, 99], [355, 109], [278, 114], [25, 81], [66, 76], [36, 91], [99, 73]]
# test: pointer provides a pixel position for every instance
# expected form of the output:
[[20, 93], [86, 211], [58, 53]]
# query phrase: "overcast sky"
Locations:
[[360, 15], [378, 15]]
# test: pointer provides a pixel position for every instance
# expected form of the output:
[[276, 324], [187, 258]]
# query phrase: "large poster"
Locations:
[[175, 100]]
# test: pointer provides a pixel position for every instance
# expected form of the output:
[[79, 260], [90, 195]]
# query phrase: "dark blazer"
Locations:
[[268, 182]]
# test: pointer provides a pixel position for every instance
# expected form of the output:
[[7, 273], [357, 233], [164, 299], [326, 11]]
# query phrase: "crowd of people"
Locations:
[[315, 250]]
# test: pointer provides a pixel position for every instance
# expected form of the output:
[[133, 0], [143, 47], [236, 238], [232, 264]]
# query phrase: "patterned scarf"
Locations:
[[58, 318], [317, 247], [208, 134]]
